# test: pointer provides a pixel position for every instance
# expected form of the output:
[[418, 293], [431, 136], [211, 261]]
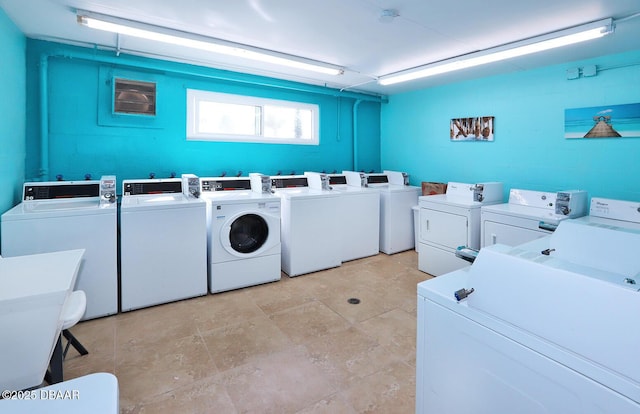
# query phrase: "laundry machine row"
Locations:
[[166, 248], [176, 238]]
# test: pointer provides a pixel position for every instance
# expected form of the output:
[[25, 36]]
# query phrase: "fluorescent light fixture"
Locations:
[[193, 41], [537, 44]]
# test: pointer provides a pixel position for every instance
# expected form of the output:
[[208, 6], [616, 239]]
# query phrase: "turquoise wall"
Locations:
[[529, 150], [12, 112], [86, 138]]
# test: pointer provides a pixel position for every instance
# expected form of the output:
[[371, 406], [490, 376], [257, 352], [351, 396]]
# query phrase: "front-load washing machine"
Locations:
[[309, 233], [451, 220], [359, 217], [529, 215], [243, 233], [397, 199], [67, 215], [163, 243]]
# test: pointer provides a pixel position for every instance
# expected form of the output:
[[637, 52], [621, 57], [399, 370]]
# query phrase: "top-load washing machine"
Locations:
[[452, 220], [67, 215], [397, 199], [529, 215], [243, 233], [536, 333], [163, 242], [359, 216], [309, 233]]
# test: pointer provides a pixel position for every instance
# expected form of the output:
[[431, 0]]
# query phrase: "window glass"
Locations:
[[283, 122], [228, 118], [225, 117]]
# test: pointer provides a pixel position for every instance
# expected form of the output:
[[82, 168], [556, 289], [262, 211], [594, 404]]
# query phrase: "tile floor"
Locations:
[[293, 346]]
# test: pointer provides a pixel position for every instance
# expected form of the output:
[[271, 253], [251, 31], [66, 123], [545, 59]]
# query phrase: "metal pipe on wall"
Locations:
[[356, 104], [43, 172]]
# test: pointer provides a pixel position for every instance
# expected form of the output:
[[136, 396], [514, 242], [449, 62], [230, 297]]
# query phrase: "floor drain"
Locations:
[[353, 301]]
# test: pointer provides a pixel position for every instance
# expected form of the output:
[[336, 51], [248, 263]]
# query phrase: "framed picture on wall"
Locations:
[[612, 121], [480, 128]]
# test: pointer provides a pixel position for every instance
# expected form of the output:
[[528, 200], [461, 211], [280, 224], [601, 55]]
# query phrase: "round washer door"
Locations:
[[248, 233]]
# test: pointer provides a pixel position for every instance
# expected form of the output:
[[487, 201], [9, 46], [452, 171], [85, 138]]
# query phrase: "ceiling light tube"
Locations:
[[538, 44], [178, 38]]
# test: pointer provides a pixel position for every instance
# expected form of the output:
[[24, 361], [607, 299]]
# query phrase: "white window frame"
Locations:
[[194, 97]]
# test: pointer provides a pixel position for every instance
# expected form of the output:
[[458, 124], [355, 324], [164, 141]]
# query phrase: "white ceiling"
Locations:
[[346, 33]]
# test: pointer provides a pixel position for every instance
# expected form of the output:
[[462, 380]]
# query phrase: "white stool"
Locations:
[[72, 312]]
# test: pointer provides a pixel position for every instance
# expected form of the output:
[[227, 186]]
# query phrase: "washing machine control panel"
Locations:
[[226, 184], [377, 179], [152, 186], [59, 190], [335, 179], [289, 182]]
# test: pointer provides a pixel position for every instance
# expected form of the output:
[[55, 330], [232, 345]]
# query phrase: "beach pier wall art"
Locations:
[[479, 128], [611, 121]]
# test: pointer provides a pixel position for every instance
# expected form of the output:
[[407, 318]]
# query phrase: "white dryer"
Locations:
[[451, 220], [243, 229], [529, 215], [359, 216], [397, 198], [309, 233], [66, 215], [163, 243]]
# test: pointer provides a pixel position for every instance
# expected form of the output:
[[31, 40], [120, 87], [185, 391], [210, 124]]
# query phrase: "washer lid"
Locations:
[[62, 204], [444, 200], [28, 210], [306, 193], [527, 212], [393, 188], [152, 201]]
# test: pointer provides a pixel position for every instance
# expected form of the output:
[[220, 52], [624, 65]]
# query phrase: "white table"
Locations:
[[93, 393], [33, 290]]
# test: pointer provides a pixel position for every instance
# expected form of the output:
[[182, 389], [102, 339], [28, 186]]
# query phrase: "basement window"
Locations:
[[134, 97], [213, 116]]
